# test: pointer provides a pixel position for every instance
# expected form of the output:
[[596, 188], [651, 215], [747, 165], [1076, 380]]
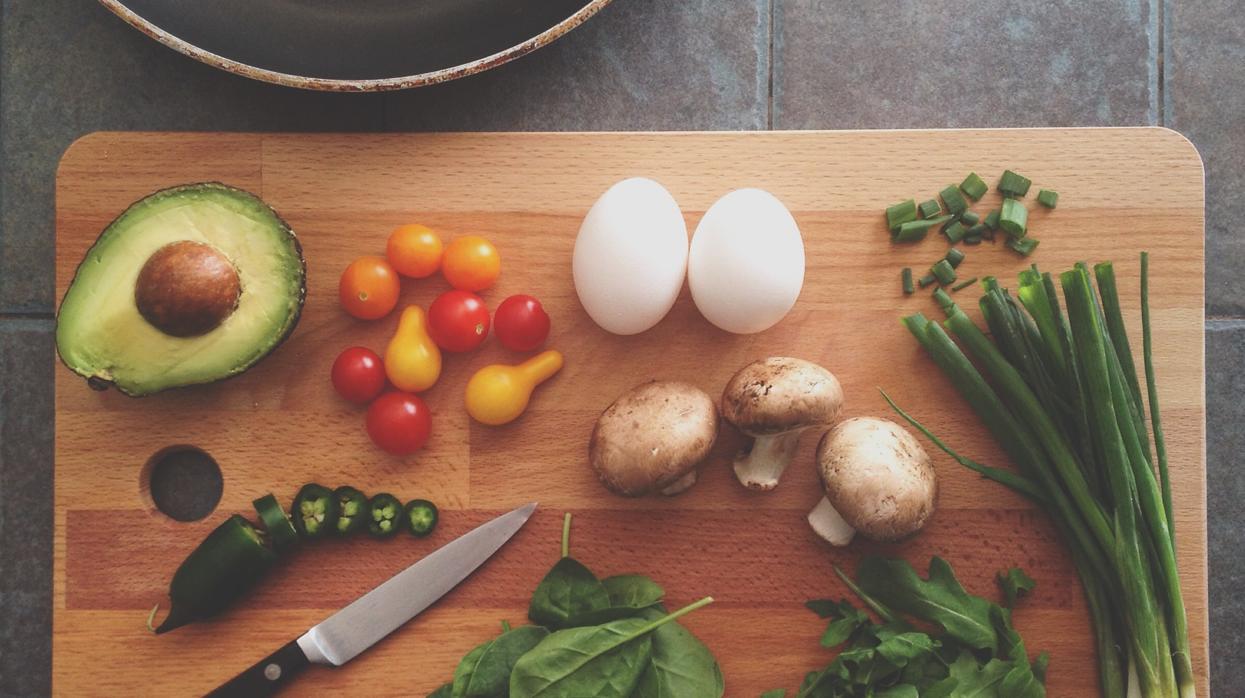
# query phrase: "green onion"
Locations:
[[900, 213], [955, 231], [954, 257], [926, 280], [943, 271], [913, 231], [964, 284], [973, 186], [944, 301], [972, 238], [992, 219], [929, 209], [953, 200], [907, 280], [970, 218], [1048, 198], [1022, 246], [1013, 218], [978, 231], [1067, 412], [1012, 185]]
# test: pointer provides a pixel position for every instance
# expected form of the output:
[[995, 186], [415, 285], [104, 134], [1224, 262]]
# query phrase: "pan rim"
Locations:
[[479, 65]]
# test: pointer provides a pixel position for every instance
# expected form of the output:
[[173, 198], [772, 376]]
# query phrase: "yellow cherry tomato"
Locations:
[[471, 263], [412, 359], [498, 394], [414, 251]]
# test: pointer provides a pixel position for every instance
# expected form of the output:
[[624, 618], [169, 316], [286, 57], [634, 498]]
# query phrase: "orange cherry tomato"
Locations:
[[369, 288], [471, 263], [414, 250]]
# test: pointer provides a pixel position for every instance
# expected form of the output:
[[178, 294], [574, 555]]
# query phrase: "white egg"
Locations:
[[746, 265], [631, 256]]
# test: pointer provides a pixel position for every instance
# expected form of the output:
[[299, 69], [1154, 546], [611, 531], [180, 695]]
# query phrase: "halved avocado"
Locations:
[[189, 285]]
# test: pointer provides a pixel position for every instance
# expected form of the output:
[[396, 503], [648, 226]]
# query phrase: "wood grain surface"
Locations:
[[280, 425]]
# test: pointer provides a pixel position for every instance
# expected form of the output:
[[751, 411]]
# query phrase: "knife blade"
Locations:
[[351, 630]]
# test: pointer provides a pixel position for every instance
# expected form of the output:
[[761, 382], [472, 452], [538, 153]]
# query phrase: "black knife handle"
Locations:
[[268, 675]]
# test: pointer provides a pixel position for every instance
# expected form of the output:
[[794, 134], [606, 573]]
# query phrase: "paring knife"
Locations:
[[343, 635]]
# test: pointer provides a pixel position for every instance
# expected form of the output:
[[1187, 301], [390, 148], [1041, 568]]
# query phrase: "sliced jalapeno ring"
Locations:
[[276, 523], [421, 517], [352, 510], [385, 515], [315, 511]]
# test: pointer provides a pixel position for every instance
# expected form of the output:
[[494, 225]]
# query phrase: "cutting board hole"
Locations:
[[182, 482]]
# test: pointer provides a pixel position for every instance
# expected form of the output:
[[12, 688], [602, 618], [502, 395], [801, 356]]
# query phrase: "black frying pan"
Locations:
[[354, 45]]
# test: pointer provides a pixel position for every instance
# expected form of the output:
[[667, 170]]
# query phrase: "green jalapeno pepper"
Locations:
[[421, 517], [278, 525], [315, 511], [225, 566], [385, 515], [352, 510]]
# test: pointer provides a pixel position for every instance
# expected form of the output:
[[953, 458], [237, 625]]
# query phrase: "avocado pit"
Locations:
[[187, 289]]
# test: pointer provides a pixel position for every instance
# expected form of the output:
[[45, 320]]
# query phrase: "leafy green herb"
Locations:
[[1015, 584], [601, 660], [485, 671], [979, 654]]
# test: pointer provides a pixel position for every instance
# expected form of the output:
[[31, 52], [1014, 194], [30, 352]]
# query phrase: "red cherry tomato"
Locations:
[[521, 323], [458, 321], [399, 423], [358, 375]]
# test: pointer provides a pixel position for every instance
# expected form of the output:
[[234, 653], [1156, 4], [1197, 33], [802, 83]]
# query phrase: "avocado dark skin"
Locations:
[[184, 289]]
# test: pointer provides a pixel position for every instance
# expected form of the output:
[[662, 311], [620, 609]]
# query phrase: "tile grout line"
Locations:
[[769, 65]]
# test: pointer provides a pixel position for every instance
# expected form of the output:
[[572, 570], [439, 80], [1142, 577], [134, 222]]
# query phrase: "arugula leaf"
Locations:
[[976, 680], [1015, 584], [903, 690], [940, 599], [907, 647], [680, 665], [485, 671], [567, 592], [846, 620]]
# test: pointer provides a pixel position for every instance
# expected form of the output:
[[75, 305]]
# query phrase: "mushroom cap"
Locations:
[[651, 436], [781, 394], [878, 477]]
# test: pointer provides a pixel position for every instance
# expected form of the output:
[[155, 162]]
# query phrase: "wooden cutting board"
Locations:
[[280, 425]]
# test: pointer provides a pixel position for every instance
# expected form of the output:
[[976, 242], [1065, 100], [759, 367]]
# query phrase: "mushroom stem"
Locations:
[[688, 479], [828, 524], [762, 466]]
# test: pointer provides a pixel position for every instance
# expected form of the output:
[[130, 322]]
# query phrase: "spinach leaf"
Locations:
[[569, 591], [940, 599], [603, 660], [680, 665], [442, 692], [485, 671], [1014, 583], [776, 693], [634, 591]]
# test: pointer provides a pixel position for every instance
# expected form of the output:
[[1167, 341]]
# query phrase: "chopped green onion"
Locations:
[[955, 231], [978, 231], [926, 280], [1014, 218], [907, 280], [954, 200], [1024, 246], [1012, 185], [1048, 198], [944, 301], [943, 271], [900, 213], [954, 257], [964, 285], [913, 231], [971, 239], [973, 186], [970, 218], [929, 209], [992, 219]]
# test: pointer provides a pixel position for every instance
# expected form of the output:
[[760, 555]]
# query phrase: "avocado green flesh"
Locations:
[[100, 333]]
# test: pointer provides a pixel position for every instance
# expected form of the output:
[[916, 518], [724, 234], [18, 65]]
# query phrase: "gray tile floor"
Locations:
[[67, 67]]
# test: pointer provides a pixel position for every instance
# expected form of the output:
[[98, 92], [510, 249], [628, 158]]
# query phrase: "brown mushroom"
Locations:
[[774, 401], [878, 481], [653, 437]]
